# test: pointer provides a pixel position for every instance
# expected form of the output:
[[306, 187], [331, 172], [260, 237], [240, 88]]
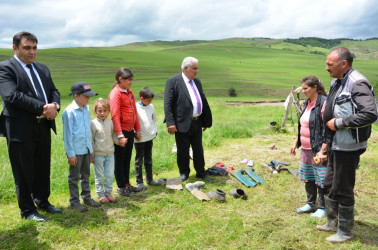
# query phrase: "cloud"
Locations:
[[73, 23]]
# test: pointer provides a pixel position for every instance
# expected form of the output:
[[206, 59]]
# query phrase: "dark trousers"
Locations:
[[143, 152], [30, 162], [183, 141], [122, 158], [340, 177], [312, 191]]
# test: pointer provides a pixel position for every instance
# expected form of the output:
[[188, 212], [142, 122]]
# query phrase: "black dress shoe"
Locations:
[[184, 177], [51, 209], [36, 217]]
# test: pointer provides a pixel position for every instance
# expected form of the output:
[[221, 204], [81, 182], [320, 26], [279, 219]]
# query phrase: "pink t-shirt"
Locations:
[[305, 121]]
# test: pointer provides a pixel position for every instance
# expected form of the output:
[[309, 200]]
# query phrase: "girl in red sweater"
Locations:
[[126, 126]]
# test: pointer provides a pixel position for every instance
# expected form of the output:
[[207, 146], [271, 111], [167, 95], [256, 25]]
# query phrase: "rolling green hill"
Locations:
[[258, 68]]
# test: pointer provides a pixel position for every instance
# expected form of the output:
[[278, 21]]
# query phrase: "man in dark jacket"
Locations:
[[31, 102], [348, 115], [186, 113]]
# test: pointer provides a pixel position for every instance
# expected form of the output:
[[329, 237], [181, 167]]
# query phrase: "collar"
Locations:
[[186, 79], [141, 104], [127, 91], [77, 106]]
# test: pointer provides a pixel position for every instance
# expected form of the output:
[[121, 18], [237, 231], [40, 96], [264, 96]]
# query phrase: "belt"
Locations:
[[195, 118], [40, 119]]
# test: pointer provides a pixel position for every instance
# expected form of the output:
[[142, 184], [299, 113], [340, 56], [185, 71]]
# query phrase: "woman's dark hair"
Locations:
[[123, 72], [313, 81]]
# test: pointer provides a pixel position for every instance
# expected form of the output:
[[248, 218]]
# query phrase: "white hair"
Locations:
[[188, 62]]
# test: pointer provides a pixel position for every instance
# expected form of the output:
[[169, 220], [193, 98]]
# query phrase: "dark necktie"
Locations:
[[36, 84], [197, 98]]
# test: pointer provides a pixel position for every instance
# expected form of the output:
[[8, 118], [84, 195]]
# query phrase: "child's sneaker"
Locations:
[[90, 202], [103, 199], [111, 198], [141, 186], [124, 192], [79, 207]]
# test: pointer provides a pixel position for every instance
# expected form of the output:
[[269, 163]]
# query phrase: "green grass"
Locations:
[[160, 218]]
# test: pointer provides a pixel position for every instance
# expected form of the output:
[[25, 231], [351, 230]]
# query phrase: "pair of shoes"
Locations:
[[90, 202], [141, 186], [239, 193], [111, 198], [218, 195], [248, 162], [153, 183], [103, 199], [79, 207], [35, 216], [306, 209], [50, 209], [270, 166], [124, 192], [184, 177], [320, 213]]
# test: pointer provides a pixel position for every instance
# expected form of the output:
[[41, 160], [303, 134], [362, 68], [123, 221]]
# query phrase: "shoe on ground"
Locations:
[[306, 209], [35, 216], [77, 206], [141, 186], [111, 198], [50, 209], [184, 177], [238, 193], [320, 213], [207, 178], [90, 202], [153, 183], [270, 167], [218, 195], [103, 199]]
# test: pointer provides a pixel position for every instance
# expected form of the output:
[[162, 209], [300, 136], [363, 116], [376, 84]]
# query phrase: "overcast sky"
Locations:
[[76, 23]]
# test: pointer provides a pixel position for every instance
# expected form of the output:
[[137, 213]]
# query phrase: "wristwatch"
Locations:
[[56, 105]]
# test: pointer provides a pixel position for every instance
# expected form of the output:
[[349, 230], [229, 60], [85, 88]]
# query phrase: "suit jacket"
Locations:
[[178, 106], [20, 103]]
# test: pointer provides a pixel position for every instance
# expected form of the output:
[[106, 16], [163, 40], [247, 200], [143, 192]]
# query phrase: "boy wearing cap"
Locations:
[[78, 144]]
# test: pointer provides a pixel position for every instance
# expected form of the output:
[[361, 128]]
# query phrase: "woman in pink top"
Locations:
[[310, 138]]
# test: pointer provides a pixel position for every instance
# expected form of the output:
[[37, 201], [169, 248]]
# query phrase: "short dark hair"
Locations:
[[23, 34], [146, 93], [344, 54]]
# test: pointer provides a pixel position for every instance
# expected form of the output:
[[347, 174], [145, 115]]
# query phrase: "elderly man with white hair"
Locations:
[[187, 114]]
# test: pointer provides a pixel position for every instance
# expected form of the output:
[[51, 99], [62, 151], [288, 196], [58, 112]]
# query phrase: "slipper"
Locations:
[[245, 161], [219, 164], [250, 163]]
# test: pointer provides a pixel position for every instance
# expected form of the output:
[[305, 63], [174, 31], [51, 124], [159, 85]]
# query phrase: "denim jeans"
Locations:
[[104, 167]]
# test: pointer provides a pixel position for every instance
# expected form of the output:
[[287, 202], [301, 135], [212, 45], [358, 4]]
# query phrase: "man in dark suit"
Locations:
[[186, 113], [30, 105]]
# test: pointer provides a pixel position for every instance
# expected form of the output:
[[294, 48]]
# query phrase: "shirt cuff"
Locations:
[[120, 136], [339, 123]]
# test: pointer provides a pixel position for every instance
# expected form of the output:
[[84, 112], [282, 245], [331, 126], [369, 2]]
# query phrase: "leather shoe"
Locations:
[[51, 209], [184, 177], [35, 216]]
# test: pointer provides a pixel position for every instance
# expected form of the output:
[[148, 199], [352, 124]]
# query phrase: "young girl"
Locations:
[[103, 140], [126, 125]]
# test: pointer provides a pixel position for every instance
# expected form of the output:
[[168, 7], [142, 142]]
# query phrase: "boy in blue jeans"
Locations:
[[78, 144]]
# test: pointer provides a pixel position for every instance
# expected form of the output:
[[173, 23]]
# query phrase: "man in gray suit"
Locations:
[[187, 114], [31, 103]]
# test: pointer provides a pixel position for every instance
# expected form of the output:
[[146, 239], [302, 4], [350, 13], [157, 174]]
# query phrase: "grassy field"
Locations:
[[160, 218]]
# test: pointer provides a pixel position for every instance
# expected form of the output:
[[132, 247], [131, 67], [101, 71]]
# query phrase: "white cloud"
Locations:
[[114, 22]]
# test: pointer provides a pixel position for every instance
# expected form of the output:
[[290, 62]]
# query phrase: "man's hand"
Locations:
[[72, 161], [49, 111], [331, 124], [172, 129]]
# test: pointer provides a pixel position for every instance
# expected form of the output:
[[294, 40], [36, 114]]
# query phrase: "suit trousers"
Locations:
[[80, 172], [122, 158], [30, 161], [143, 154], [340, 177], [183, 141]]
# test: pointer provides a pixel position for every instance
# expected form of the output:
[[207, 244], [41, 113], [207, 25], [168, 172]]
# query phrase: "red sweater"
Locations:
[[124, 111]]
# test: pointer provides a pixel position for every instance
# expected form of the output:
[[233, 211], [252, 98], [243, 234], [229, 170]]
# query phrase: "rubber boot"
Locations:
[[243, 179], [332, 208], [218, 195], [239, 193], [346, 222], [193, 188], [253, 175]]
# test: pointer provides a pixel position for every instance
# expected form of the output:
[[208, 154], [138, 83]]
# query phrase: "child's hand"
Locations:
[[122, 141], [92, 158], [72, 161], [137, 136]]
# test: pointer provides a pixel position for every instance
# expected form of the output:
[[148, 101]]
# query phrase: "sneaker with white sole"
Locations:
[[320, 213], [306, 209]]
